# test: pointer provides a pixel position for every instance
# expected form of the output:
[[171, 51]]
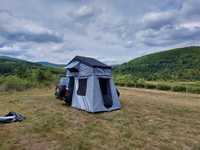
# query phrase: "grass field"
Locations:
[[148, 120], [176, 86]]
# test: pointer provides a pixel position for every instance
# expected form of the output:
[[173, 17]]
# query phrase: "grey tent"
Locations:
[[93, 87]]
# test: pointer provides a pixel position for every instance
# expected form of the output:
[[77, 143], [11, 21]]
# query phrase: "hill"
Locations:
[[9, 66], [175, 64], [48, 64], [16, 74]]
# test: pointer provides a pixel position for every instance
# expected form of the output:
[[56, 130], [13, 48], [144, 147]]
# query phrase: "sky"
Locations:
[[113, 31]]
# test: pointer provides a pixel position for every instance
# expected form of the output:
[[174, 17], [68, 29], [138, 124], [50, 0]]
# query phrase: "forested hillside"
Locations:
[[47, 64], [18, 74], [176, 64]]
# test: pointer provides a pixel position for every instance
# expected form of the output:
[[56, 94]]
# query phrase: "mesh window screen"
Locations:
[[82, 87], [104, 85]]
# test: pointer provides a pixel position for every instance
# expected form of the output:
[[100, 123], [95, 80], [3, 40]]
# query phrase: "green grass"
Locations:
[[188, 87], [176, 86], [179, 88], [163, 87], [147, 120]]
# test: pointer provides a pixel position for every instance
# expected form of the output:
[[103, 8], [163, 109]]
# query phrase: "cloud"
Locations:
[[11, 51], [113, 31], [169, 35], [30, 36], [191, 8], [171, 27], [156, 20], [84, 12], [15, 29]]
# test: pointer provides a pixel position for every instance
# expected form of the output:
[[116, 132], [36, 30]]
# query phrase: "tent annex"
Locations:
[[92, 86]]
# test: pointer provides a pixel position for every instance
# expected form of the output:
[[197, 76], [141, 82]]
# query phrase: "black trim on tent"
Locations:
[[73, 70]]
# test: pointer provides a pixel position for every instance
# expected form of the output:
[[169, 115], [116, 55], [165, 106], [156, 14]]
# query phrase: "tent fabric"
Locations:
[[87, 93], [73, 65], [83, 102], [103, 72], [98, 97], [93, 100], [90, 62], [85, 71]]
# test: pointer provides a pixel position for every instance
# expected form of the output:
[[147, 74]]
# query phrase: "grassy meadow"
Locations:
[[165, 85], [148, 120]]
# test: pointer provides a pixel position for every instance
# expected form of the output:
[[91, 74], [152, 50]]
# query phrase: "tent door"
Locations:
[[106, 92], [71, 83]]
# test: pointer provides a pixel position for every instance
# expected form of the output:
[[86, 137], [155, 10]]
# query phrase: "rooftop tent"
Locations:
[[93, 89]]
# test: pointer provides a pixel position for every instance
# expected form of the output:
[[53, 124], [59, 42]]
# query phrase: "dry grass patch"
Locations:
[[148, 120]]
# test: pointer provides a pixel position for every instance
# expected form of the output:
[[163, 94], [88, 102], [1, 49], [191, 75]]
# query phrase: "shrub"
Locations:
[[43, 76], [120, 83], [163, 87], [125, 80], [179, 88], [1, 79], [130, 84], [195, 90], [150, 86], [15, 83], [140, 85]]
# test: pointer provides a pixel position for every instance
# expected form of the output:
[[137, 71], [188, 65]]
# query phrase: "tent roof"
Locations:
[[90, 62]]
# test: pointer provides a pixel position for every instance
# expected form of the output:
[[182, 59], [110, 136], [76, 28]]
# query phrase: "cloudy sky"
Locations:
[[113, 31]]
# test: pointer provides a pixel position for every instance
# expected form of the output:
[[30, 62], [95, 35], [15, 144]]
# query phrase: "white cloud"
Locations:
[[14, 29], [85, 11], [113, 31], [190, 25]]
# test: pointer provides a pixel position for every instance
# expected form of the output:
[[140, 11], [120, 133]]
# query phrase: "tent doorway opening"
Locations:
[[106, 92], [68, 98]]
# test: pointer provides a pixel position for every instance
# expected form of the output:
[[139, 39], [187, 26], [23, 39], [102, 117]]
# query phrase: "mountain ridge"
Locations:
[[40, 63], [49, 64], [175, 64]]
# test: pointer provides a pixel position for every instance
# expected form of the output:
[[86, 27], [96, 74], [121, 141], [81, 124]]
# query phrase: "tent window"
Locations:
[[73, 70], [104, 85], [82, 87]]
